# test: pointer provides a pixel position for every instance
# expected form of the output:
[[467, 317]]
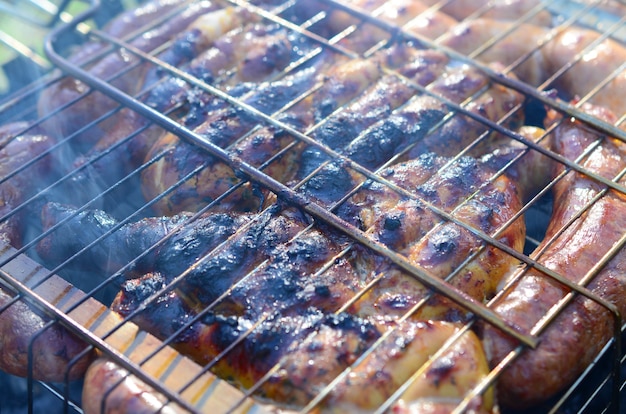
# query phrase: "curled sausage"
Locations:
[[580, 331]]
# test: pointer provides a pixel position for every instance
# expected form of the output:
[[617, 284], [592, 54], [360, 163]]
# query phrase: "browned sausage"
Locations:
[[19, 325], [574, 339], [110, 389], [52, 351]]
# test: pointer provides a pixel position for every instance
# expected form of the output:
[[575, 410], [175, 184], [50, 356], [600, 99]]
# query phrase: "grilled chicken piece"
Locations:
[[263, 245], [228, 124], [405, 127], [270, 266], [220, 65], [471, 194], [221, 128], [85, 107], [577, 246], [88, 226], [313, 347]]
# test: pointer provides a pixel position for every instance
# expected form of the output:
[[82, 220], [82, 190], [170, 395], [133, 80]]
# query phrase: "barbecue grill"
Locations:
[[80, 304]]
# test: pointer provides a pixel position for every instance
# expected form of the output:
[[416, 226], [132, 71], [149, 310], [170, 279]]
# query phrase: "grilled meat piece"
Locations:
[[264, 246], [221, 128], [468, 191], [53, 347], [123, 25], [578, 246], [313, 347], [127, 241], [387, 137], [85, 106], [16, 185], [503, 10], [111, 389], [221, 65], [228, 124], [266, 268]]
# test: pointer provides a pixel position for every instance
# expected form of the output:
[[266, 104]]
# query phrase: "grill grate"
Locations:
[[153, 361]]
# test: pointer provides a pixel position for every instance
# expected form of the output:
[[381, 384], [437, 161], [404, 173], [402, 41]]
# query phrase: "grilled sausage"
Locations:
[[578, 333], [19, 324], [555, 52], [111, 389]]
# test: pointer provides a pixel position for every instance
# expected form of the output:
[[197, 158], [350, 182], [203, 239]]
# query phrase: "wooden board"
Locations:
[[206, 393]]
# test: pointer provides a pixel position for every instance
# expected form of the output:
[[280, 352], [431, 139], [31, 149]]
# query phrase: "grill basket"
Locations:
[[78, 304]]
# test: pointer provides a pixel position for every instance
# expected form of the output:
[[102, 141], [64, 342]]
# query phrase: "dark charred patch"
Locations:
[[391, 232], [445, 241], [330, 184], [380, 144], [346, 322], [463, 174], [338, 131], [398, 302], [272, 96], [193, 241]]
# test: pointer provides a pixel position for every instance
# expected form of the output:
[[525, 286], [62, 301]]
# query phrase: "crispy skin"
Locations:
[[269, 272], [409, 227], [221, 128], [384, 138], [571, 342], [128, 242], [231, 63], [333, 342]]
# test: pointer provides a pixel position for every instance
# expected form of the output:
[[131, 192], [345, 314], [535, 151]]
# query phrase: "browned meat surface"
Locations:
[[222, 127], [269, 268], [389, 131], [598, 62], [232, 60], [94, 104], [574, 250], [311, 348], [505, 10], [408, 226], [274, 296], [123, 25]]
